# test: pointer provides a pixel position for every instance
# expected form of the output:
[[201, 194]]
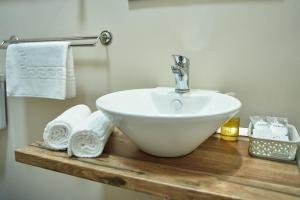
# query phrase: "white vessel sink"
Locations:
[[164, 123]]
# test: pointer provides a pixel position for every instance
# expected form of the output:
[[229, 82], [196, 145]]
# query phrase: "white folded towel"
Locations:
[[58, 131], [40, 69], [90, 137]]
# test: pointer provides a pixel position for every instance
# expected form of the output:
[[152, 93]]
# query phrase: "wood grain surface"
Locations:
[[215, 170]]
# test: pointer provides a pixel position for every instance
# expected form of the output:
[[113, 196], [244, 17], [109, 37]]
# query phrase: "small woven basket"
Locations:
[[274, 149]]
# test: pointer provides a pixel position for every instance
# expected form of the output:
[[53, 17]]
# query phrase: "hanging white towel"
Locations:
[[40, 69], [58, 131], [89, 138]]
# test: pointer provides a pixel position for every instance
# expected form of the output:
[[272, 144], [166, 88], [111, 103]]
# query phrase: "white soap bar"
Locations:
[[261, 125], [278, 129], [264, 133]]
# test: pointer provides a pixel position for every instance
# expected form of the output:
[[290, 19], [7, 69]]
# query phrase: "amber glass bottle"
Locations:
[[230, 130]]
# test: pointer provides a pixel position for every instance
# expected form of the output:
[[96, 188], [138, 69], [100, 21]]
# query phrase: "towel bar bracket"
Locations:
[[105, 37]]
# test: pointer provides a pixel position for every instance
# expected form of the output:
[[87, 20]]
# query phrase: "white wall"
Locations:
[[247, 46]]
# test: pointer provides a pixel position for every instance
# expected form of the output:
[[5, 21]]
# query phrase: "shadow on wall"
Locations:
[[141, 4], [111, 192], [3, 149]]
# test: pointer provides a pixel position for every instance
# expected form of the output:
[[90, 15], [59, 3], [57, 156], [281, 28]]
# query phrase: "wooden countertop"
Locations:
[[215, 170]]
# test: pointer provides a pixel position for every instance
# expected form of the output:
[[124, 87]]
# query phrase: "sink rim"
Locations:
[[168, 116]]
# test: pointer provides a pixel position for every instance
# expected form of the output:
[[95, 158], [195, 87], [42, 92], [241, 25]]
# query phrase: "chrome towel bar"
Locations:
[[105, 37]]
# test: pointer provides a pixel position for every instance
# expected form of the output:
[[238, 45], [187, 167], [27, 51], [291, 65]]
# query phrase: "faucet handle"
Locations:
[[181, 61]]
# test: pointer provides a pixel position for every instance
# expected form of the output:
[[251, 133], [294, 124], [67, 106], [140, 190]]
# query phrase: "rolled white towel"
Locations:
[[89, 138], [58, 131]]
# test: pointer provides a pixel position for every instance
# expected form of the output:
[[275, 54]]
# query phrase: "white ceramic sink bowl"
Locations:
[[164, 123]]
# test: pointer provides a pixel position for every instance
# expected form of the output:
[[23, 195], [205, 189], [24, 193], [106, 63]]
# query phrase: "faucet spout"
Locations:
[[181, 72]]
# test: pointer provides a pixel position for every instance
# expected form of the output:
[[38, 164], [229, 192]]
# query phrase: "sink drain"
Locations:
[[176, 104]]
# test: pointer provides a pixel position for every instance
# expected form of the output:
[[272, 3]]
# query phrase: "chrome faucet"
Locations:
[[181, 71]]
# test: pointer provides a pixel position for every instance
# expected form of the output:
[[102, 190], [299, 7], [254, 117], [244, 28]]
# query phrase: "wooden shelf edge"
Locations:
[[156, 178], [113, 179]]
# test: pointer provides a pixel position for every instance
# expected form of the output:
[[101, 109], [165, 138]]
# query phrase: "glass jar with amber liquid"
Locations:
[[230, 130]]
